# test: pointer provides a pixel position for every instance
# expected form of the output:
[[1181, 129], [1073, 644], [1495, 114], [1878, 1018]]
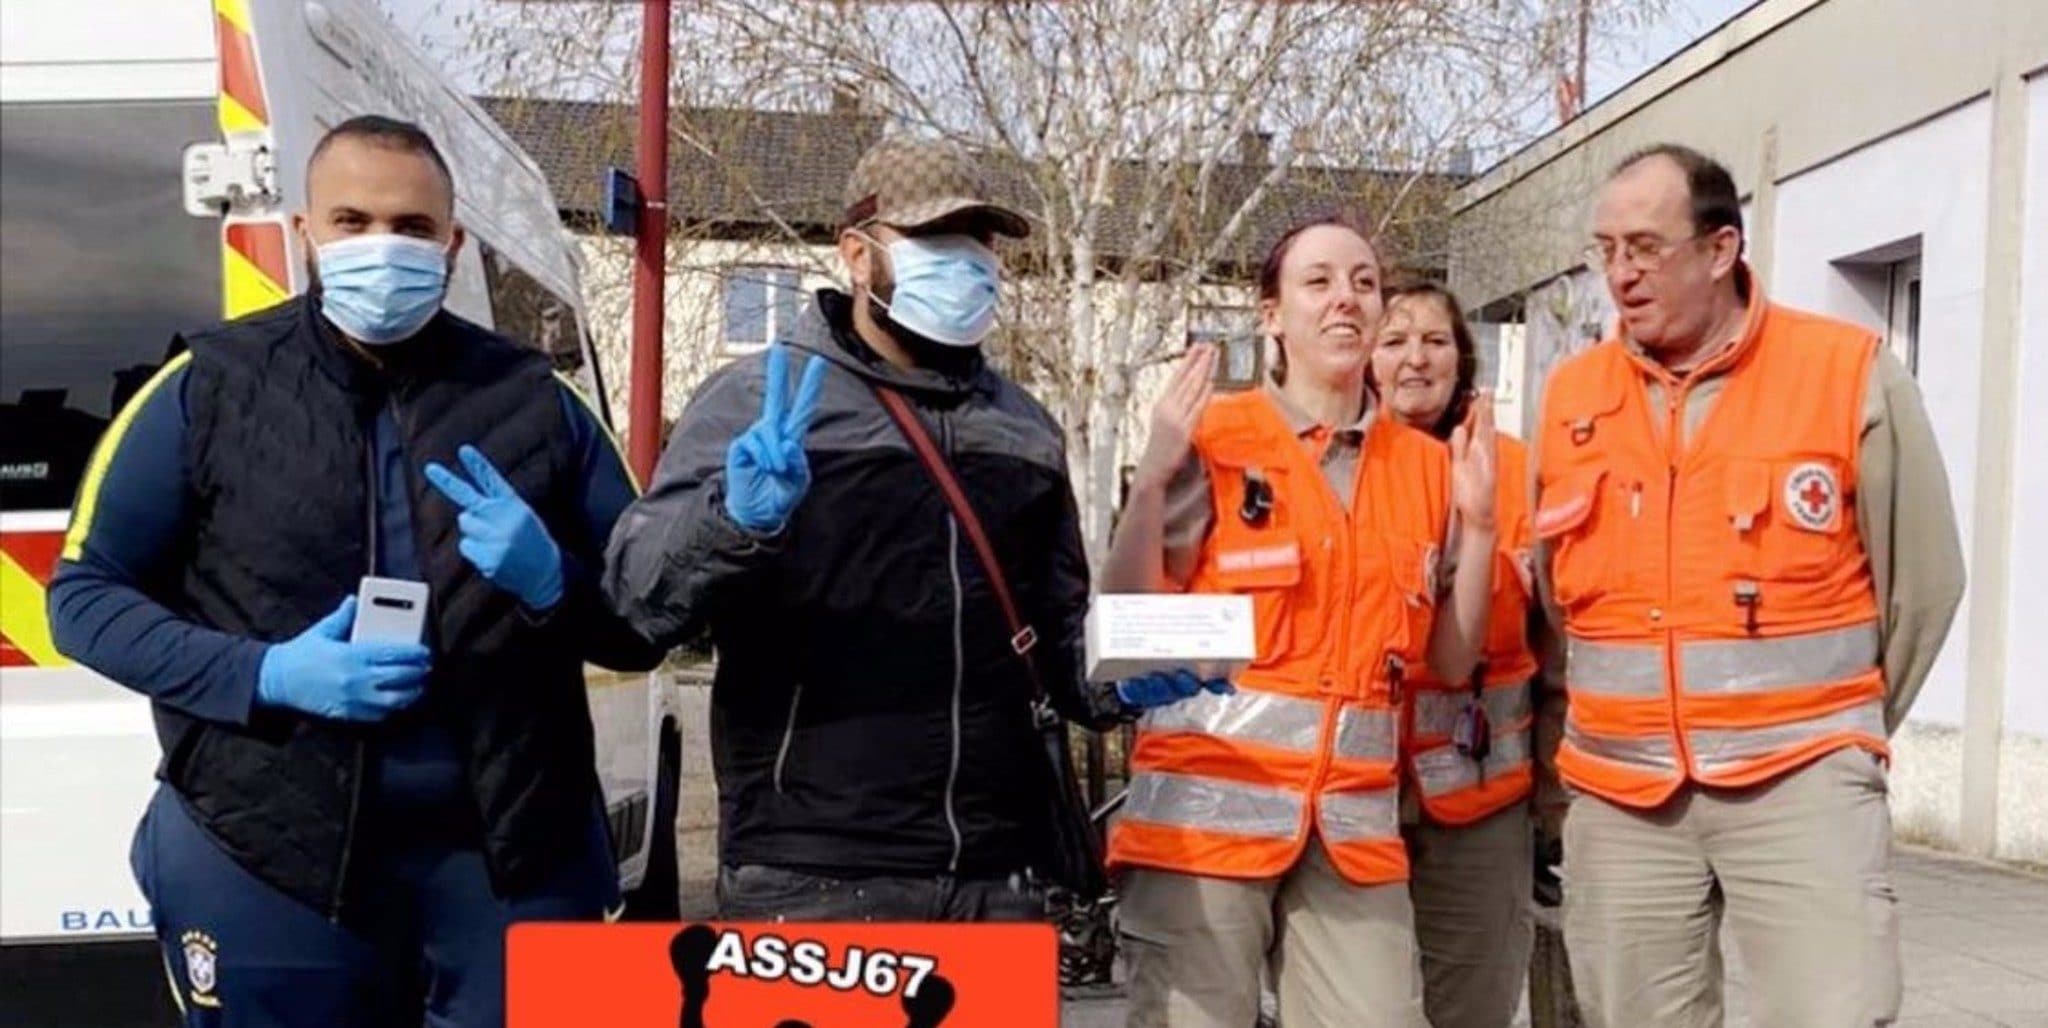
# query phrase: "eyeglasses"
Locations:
[[1642, 254]]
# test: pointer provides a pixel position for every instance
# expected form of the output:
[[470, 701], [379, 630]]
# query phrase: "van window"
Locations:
[[526, 312], [99, 266]]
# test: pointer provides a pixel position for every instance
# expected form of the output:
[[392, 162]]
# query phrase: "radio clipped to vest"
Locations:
[[1472, 734], [1257, 508]]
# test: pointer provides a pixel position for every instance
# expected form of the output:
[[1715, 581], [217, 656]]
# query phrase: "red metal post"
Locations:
[[649, 263]]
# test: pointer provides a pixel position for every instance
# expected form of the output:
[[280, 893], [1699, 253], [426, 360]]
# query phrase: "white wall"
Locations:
[[1930, 181], [693, 346], [2026, 703]]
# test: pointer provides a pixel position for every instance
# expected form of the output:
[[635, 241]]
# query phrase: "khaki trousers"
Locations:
[[1799, 868], [1341, 954], [1471, 889]]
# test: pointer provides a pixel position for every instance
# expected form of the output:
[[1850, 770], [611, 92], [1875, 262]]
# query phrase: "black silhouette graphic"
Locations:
[[928, 1009], [690, 954]]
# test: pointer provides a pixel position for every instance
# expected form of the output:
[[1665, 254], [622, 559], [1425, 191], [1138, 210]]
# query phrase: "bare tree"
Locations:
[[1156, 144]]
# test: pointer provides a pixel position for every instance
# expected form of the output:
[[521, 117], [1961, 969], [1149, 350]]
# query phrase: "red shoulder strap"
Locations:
[[1022, 637]]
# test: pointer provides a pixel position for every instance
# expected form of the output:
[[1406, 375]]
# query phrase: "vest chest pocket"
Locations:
[[1418, 576], [1266, 566], [1582, 567], [1788, 516]]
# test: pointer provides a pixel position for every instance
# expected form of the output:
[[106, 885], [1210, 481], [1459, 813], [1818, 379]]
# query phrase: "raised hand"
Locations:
[[1177, 413], [766, 471], [321, 673], [1473, 470], [501, 536]]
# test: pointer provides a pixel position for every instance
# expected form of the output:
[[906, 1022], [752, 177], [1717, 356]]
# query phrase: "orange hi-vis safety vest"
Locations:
[[1231, 786], [1721, 621], [1454, 788]]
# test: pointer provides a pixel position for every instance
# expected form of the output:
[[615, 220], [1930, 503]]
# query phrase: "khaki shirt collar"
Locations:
[[1303, 424]]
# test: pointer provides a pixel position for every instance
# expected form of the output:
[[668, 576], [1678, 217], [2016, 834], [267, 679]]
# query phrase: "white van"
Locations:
[[150, 154]]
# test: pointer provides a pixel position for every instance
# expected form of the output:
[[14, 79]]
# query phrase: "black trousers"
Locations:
[[761, 892]]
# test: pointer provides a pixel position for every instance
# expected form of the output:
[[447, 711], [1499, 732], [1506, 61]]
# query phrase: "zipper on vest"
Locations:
[[348, 834], [1749, 595], [959, 661], [355, 791], [1674, 407]]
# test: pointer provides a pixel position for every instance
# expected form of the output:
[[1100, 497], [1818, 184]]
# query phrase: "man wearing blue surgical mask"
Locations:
[[345, 829], [872, 723]]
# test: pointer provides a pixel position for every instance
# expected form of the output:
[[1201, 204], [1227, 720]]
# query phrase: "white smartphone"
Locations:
[[390, 610]]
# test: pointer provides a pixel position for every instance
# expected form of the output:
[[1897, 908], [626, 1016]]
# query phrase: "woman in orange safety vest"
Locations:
[[1261, 827], [1465, 745]]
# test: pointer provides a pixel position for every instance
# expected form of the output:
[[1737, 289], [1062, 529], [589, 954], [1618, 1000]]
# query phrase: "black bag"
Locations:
[[1072, 857]]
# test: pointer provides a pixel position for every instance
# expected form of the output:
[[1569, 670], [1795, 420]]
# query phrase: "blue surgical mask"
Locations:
[[381, 288], [945, 288]]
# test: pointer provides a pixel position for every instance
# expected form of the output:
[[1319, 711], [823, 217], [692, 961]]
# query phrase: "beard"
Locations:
[[948, 360]]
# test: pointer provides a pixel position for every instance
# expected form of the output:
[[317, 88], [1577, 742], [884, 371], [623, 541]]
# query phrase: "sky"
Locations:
[[1686, 21], [435, 23]]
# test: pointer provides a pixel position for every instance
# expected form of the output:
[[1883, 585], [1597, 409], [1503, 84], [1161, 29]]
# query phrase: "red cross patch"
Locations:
[[1813, 497]]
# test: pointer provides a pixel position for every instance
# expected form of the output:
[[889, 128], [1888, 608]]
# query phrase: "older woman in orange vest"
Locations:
[[1466, 744], [1262, 827]]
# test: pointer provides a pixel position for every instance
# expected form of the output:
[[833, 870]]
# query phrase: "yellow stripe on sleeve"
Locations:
[[103, 455]]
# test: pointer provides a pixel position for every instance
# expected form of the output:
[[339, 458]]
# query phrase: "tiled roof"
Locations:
[[795, 163], [725, 166]]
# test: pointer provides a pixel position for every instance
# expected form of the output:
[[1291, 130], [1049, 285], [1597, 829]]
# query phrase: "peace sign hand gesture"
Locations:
[[501, 536], [766, 471]]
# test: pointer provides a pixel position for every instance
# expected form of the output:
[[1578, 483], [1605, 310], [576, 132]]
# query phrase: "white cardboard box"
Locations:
[[1133, 633]]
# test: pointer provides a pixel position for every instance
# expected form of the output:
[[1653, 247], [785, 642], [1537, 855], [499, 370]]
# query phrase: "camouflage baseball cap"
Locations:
[[909, 183]]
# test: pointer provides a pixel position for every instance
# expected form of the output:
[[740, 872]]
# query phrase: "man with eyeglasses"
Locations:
[[1747, 542]]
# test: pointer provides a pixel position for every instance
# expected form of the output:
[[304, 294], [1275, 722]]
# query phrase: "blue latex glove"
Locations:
[[501, 536], [766, 472], [320, 672], [1159, 688]]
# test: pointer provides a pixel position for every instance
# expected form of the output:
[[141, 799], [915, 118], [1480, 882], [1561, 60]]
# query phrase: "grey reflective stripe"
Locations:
[[1350, 816], [1436, 712], [1756, 665], [1618, 669], [1652, 751], [1213, 805], [1444, 769], [1722, 749], [1365, 734], [1269, 719]]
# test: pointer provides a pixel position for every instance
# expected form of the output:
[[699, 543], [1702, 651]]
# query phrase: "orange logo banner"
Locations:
[[782, 975]]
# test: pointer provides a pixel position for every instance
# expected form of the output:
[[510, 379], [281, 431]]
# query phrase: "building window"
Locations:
[[761, 304], [1235, 335], [1902, 313]]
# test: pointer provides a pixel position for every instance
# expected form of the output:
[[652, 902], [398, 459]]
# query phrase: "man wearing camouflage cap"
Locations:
[[871, 717]]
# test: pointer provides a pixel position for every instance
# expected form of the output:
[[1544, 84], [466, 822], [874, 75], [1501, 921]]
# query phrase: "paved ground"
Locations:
[[1976, 952], [1975, 947]]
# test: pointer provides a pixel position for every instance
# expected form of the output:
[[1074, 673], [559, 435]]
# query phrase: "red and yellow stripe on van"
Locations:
[[242, 107], [255, 263], [27, 560]]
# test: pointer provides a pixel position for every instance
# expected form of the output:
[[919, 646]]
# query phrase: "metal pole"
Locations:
[[1579, 83], [651, 246]]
